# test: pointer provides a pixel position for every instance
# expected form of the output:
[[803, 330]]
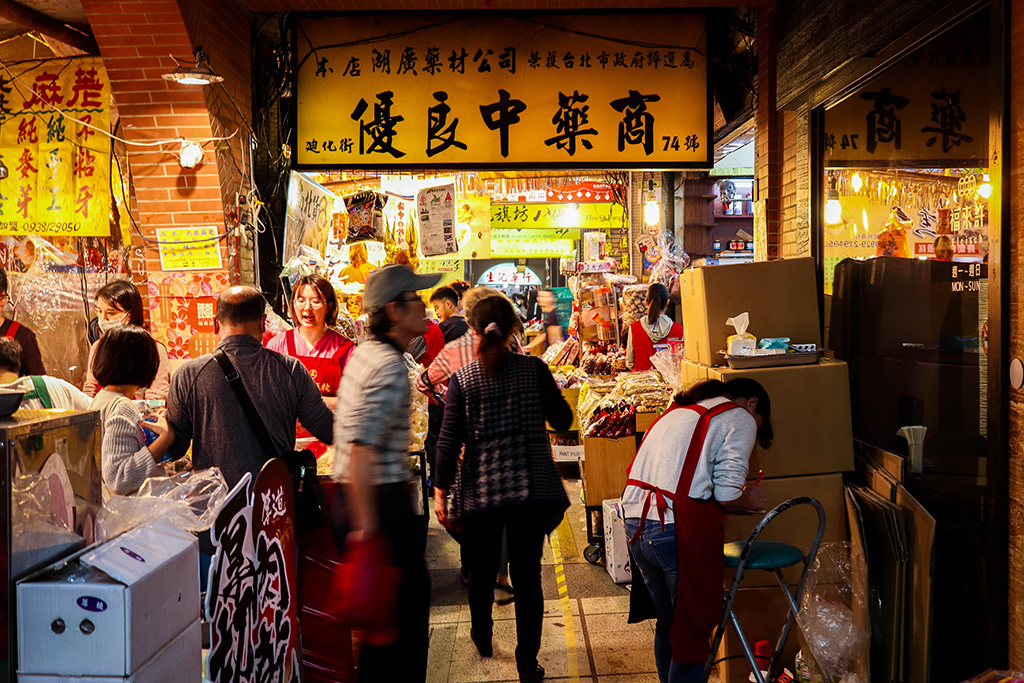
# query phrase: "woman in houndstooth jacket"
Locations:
[[496, 407]]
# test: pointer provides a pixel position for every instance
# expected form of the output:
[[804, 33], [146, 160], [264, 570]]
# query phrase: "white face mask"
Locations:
[[107, 325]]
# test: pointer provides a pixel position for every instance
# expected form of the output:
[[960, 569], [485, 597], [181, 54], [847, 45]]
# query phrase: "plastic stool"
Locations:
[[769, 556]]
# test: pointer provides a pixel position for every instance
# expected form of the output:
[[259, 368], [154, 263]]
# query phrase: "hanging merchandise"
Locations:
[[365, 219], [435, 208], [892, 240]]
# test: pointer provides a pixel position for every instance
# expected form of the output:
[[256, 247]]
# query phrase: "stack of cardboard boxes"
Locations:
[[810, 414]]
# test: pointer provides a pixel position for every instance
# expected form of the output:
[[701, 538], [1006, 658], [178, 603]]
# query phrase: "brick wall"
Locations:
[[768, 140], [794, 229], [136, 39]]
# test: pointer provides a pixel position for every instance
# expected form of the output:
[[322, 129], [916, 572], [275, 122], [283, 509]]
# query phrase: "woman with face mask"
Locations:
[[118, 303]]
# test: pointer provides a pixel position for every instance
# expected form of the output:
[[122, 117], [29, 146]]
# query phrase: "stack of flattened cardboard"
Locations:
[[898, 538]]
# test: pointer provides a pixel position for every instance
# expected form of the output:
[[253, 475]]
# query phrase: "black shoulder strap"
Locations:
[[251, 414]]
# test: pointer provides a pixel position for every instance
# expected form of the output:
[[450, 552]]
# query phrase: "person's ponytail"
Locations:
[[494, 320]]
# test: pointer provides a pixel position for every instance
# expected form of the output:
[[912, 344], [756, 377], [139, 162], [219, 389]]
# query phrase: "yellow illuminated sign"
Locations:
[[59, 182], [591, 216], [581, 90], [546, 248]]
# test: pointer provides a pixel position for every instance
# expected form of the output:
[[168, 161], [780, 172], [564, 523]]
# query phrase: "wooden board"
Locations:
[[605, 464]]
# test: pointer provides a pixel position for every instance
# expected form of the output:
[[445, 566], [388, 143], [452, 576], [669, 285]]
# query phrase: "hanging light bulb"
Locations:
[[652, 212], [571, 217], [856, 182], [833, 209], [985, 189]]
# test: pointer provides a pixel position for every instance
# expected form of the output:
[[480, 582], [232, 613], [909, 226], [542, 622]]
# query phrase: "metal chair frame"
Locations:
[[794, 600]]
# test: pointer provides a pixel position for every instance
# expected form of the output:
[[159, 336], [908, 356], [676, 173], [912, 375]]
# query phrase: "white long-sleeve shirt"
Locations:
[[721, 471]]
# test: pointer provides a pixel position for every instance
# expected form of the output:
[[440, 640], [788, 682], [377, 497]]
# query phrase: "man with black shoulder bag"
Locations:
[[207, 397]]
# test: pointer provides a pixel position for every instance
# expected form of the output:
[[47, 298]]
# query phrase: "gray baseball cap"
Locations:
[[388, 282]]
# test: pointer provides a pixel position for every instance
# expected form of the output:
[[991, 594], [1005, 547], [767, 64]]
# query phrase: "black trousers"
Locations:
[[404, 661], [482, 544]]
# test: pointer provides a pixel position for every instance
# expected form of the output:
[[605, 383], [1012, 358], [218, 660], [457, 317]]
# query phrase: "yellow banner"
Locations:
[[59, 169], [931, 109], [582, 90], [596, 215]]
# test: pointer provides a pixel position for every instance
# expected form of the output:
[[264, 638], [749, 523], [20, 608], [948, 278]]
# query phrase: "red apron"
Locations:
[[326, 372], [699, 538], [434, 339], [12, 330], [643, 347]]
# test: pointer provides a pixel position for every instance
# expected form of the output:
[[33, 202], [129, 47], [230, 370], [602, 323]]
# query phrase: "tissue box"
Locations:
[[780, 296], [132, 596], [616, 557]]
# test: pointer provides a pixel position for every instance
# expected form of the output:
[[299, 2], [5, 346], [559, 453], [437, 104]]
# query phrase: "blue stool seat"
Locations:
[[766, 555]]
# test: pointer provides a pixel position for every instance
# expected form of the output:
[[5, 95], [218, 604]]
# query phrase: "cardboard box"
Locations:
[[780, 296], [796, 526], [810, 417], [135, 594], [645, 420], [605, 464], [761, 613], [616, 557], [179, 660], [693, 373]]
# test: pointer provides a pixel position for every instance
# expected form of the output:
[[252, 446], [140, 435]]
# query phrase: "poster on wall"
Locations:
[[583, 90], [308, 216], [58, 160], [435, 215], [189, 248]]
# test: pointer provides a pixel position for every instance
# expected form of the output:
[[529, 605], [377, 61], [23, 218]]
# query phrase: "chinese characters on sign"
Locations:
[[186, 248], [587, 215], [404, 91], [932, 109], [59, 181]]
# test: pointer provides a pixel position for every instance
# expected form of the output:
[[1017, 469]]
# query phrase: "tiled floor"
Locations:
[[602, 647]]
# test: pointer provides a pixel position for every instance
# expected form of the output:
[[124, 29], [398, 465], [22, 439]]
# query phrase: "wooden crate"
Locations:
[[604, 469]]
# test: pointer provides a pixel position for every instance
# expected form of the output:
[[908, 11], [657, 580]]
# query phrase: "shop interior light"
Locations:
[[652, 212], [200, 74], [856, 183], [833, 209], [985, 189]]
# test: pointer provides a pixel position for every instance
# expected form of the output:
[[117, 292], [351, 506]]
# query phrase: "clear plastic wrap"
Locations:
[[673, 260], [40, 535], [275, 324], [837, 637], [633, 304], [418, 418], [669, 363], [645, 390], [189, 501]]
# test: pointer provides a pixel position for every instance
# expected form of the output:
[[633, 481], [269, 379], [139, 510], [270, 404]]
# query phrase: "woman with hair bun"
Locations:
[[496, 407], [691, 468], [654, 329]]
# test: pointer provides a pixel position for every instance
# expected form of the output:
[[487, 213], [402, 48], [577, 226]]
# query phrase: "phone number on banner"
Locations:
[[40, 227]]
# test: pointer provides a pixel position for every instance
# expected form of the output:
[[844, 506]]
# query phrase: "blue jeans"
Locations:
[[655, 556]]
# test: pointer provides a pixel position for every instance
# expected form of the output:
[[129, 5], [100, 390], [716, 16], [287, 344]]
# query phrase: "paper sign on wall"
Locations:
[[435, 212], [185, 248]]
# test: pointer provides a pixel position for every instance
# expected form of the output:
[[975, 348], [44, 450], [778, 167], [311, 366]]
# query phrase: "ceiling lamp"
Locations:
[[200, 74], [833, 209], [652, 212]]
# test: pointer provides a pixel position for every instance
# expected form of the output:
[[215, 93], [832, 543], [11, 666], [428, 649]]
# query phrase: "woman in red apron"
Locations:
[[323, 351], [691, 468], [654, 329]]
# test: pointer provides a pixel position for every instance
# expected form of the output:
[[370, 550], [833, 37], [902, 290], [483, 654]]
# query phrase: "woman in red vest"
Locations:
[[322, 350], [654, 329], [691, 468]]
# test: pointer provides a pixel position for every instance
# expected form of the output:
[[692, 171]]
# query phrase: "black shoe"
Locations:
[[486, 649], [503, 594], [535, 677]]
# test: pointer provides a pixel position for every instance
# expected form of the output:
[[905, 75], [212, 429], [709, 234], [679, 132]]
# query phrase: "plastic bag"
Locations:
[[189, 501], [833, 614], [365, 218], [40, 535], [419, 420], [669, 364], [645, 390], [673, 260], [633, 304]]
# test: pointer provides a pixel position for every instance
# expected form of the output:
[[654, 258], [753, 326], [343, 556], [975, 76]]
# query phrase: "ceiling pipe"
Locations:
[[37, 21]]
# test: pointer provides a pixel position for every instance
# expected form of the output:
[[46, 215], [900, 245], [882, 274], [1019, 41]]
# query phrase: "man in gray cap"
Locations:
[[371, 441]]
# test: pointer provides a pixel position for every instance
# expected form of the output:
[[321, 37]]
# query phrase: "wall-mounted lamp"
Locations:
[[200, 74], [833, 209], [191, 154], [652, 212]]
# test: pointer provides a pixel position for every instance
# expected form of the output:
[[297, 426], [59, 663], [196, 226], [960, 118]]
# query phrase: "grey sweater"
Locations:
[[126, 460], [204, 412]]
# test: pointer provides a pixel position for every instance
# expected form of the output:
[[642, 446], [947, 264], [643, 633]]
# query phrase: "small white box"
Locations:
[[180, 660], [616, 556], [108, 611], [567, 453]]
